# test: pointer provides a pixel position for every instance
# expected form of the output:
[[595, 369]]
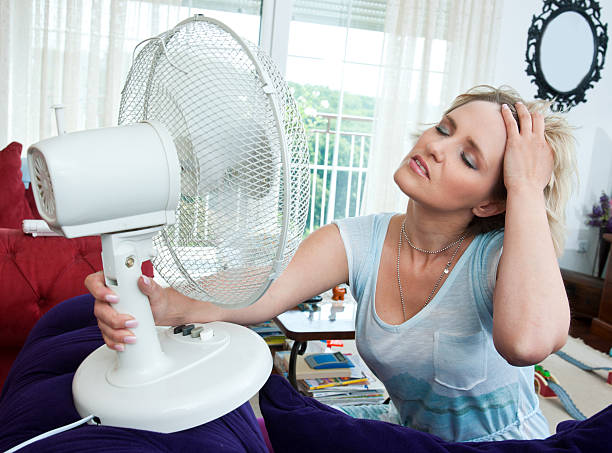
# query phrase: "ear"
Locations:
[[489, 208]]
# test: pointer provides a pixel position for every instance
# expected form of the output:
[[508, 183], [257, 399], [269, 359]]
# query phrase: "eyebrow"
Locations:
[[470, 141]]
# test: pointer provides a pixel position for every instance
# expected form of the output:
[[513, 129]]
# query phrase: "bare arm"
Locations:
[[319, 264], [531, 311]]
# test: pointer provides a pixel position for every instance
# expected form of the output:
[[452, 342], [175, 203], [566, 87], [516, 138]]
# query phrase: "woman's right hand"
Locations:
[[115, 326]]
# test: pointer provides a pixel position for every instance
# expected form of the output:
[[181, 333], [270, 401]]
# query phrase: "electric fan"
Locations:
[[207, 174]]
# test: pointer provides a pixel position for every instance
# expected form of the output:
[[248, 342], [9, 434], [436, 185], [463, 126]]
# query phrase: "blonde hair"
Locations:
[[558, 134]]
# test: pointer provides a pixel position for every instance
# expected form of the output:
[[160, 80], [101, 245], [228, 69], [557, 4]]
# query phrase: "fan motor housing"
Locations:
[[106, 180]]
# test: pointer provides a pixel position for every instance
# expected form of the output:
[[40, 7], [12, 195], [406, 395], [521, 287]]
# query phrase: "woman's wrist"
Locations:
[[192, 310], [531, 191], [175, 309]]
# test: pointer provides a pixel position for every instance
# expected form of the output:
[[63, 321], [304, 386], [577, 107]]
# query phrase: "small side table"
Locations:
[[325, 324]]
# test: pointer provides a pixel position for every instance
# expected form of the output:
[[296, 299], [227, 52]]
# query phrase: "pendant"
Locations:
[[446, 270]]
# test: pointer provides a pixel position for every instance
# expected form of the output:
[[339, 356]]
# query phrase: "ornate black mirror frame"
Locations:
[[590, 10]]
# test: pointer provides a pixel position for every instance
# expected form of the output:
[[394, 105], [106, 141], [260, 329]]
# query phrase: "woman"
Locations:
[[448, 322]]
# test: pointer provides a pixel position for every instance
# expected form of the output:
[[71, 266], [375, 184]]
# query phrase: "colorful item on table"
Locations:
[[338, 293]]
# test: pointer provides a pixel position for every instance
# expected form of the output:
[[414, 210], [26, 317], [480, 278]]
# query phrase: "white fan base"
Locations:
[[207, 378]]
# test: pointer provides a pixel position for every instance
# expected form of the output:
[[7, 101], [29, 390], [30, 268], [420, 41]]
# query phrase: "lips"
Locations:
[[419, 166]]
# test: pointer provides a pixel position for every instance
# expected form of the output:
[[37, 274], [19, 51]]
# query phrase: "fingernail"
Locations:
[[146, 280], [111, 298], [131, 323], [129, 339], [505, 106], [119, 347]]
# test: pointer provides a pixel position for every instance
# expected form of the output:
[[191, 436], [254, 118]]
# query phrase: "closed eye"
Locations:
[[442, 130], [467, 161]]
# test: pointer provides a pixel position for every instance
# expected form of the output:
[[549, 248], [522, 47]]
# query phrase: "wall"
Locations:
[[592, 119]]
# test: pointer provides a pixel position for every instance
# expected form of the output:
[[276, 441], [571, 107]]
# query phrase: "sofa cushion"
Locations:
[[37, 397], [36, 274], [14, 206], [29, 196], [297, 424]]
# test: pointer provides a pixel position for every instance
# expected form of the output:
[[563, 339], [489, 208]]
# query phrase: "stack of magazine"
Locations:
[[270, 332], [359, 387]]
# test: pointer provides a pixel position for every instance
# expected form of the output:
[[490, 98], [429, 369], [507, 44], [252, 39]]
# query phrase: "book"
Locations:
[[270, 332], [316, 384], [303, 370], [345, 395], [352, 400], [362, 387]]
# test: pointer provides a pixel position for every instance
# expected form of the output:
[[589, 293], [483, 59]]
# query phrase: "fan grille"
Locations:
[[42, 180], [244, 169]]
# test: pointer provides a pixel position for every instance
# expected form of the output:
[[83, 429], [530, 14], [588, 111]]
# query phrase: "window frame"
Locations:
[[274, 30]]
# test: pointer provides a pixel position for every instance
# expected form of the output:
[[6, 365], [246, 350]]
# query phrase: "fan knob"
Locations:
[[206, 333]]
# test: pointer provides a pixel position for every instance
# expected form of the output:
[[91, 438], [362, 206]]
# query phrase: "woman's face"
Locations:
[[455, 165]]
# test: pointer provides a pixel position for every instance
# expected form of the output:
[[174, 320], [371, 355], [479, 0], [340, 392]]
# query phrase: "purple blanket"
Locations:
[[297, 424], [37, 397]]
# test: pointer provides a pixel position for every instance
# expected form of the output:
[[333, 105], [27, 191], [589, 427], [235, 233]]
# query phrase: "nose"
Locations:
[[436, 149]]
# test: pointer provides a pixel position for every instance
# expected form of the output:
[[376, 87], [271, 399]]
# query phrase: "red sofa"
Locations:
[[36, 273]]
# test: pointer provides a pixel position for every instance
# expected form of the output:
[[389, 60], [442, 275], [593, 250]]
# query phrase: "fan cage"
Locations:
[[243, 155]]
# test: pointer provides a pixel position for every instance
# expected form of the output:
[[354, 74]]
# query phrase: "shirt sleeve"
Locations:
[[489, 256], [356, 233]]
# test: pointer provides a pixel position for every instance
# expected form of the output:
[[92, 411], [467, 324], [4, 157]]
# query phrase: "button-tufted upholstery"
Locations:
[[36, 273]]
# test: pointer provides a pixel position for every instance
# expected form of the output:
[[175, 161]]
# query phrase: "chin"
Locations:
[[418, 194], [395, 176], [403, 181]]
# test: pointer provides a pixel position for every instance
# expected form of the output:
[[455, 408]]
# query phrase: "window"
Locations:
[[333, 68]]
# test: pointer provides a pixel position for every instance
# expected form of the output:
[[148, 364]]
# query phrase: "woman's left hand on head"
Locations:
[[528, 158]]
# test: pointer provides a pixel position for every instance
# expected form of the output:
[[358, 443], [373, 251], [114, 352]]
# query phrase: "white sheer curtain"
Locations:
[[434, 50], [74, 52]]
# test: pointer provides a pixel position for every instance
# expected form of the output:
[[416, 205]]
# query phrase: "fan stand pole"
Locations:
[[122, 257]]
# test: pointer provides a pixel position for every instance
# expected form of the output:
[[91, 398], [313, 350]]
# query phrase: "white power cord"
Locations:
[[51, 433]]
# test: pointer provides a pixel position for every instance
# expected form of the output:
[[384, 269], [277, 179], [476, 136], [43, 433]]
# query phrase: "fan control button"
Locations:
[[187, 329], [195, 333], [206, 334], [178, 329]]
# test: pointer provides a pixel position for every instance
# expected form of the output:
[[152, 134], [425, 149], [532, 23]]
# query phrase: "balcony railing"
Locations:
[[338, 164]]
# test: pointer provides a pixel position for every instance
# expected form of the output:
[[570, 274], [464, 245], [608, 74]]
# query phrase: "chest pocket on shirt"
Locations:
[[460, 362]]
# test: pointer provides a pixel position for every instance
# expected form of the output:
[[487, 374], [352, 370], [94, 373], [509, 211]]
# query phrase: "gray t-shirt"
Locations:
[[440, 367]]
